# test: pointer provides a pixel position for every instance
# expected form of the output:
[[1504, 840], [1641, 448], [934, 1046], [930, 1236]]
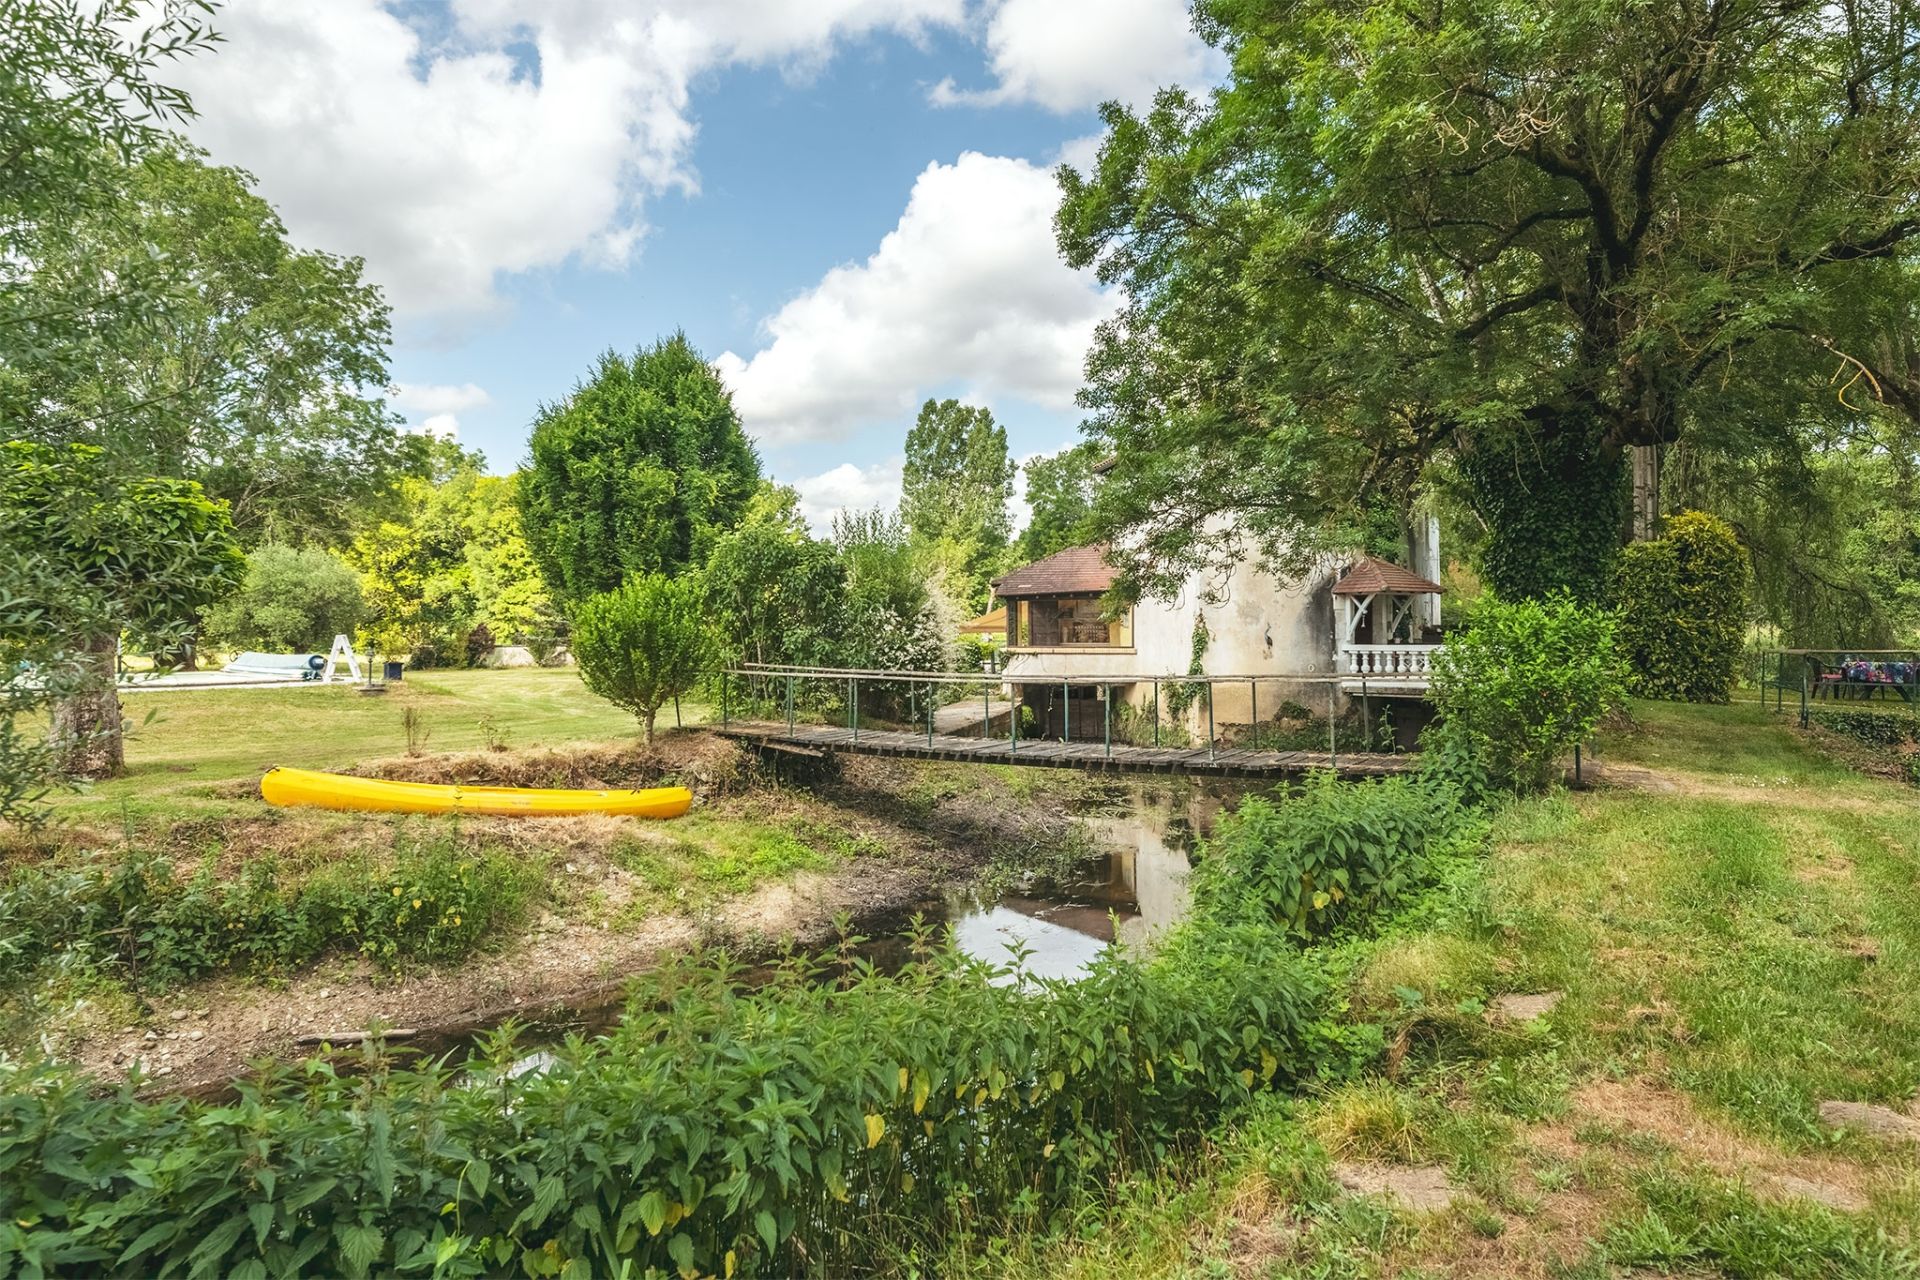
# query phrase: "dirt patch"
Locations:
[[1524, 1008], [1631, 777], [1418, 1189], [1880, 1122], [1644, 1106], [711, 766]]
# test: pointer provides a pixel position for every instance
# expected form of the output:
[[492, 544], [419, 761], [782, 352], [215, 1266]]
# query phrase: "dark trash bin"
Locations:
[[394, 670]]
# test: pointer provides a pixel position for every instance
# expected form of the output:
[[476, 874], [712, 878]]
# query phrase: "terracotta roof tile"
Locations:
[[1371, 575], [1077, 571]]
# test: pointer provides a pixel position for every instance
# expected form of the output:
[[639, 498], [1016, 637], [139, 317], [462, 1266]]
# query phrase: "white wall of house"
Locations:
[[1257, 626]]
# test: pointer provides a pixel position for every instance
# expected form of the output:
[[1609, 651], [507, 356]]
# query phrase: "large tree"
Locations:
[[129, 556], [260, 372], [636, 472], [1524, 238]]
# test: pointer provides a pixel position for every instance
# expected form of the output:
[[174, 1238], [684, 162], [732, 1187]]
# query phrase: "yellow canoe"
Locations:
[[339, 791]]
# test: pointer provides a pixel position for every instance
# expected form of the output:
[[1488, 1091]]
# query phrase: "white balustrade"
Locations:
[[1389, 661]]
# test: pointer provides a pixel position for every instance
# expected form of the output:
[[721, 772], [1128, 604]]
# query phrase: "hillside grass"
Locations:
[[1735, 926], [186, 743]]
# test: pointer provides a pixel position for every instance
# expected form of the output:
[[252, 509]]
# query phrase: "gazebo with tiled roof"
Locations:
[[1373, 605]]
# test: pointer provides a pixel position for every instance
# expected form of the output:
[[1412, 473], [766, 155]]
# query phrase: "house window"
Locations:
[[1067, 622]]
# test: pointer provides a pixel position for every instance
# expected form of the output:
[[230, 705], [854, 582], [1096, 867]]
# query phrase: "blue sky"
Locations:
[[844, 203]]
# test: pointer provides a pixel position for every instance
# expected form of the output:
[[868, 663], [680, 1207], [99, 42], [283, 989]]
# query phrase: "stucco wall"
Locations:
[[1256, 626]]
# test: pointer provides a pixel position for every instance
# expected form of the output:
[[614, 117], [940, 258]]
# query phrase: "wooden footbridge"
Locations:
[[931, 704]]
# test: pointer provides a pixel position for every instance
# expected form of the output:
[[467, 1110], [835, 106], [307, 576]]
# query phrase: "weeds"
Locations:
[[137, 916]]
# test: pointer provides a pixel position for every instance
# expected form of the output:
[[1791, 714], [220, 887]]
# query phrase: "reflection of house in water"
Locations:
[[1141, 885]]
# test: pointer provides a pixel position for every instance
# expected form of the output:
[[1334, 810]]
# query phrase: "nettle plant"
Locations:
[[798, 1127], [1333, 854]]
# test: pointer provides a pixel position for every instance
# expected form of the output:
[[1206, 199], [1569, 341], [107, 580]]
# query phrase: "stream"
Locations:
[[1128, 895]]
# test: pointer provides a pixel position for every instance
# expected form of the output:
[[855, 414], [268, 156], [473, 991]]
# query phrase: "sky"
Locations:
[[845, 204]]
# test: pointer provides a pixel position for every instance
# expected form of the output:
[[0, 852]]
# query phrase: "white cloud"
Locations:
[[848, 488], [497, 137], [441, 426], [1068, 55], [968, 288], [423, 397]]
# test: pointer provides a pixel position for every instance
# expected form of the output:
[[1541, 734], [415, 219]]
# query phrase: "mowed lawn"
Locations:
[[188, 742], [1732, 924]]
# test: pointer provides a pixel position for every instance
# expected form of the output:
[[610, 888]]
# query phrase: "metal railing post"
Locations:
[[1066, 712], [986, 710], [1253, 710], [1366, 715], [789, 706], [929, 715], [1333, 738], [1013, 719], [853, 704], [1156, 711], [1209, 721], [1803, 695], [1107, 726], [723, 699]]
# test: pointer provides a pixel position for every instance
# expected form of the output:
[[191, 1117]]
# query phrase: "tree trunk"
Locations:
[[1554, 502], [1646, 492], [88, 731], [651, 712]]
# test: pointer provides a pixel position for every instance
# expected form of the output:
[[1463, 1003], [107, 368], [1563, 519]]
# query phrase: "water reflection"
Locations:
[[1140, 887]]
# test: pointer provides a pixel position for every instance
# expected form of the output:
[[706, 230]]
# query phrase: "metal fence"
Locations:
[[1842, 675], [897, 701]]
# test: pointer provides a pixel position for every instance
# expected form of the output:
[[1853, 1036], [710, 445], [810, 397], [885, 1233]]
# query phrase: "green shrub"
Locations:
[[137, 916], [1874, 728], [1682, 601], [800, 1127], [643, 644], [1331, 855], [1898, 733], [1525, 683], [293, 599]]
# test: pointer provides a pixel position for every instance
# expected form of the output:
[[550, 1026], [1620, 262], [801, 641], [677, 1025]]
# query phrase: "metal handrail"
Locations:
[[1003, 676]]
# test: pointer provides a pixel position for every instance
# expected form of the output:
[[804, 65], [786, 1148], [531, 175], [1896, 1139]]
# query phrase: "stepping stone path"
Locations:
[[1881, 1122], [1514, 1008], [1420, 1189], [1825, 1193]]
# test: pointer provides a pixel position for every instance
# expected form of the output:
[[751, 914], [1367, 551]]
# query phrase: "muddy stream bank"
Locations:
[[567, 976]]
